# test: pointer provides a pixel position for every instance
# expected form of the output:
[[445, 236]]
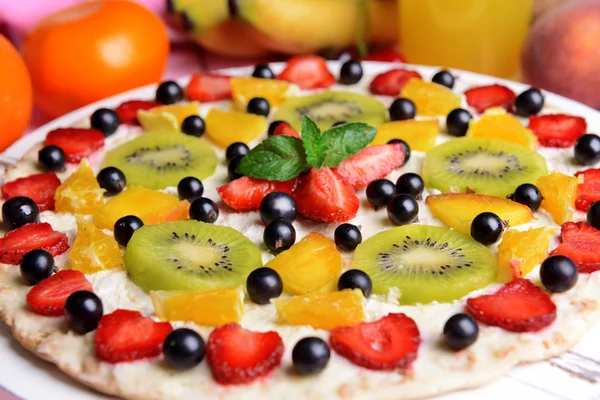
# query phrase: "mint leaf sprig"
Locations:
[[282, 158]]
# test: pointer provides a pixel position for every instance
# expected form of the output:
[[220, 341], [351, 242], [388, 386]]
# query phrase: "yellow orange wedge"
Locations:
[[496, 123], [430, 98], [226, 127], [520, 251], [167, 118], [559, 192], [80, 193], [420, 135], [94, 250], [243, 89]]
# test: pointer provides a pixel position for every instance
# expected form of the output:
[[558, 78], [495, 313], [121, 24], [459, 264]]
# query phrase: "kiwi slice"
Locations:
[[157, 160], [190, 255], [425, 263], [326, 108], [485, 166]]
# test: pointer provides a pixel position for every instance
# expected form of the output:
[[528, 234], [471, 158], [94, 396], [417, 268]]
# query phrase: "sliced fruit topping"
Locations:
[[179, 213], [209, 308], [227, 127], [128, 111], [308, 72], [484, 97], [208, 87], [389, 54], [126, 335], [581, 243], [236, 355], [324, 196], [38, 235], [285, 129], [76, 143], [327, 108], [50, 295], [430, 98], [420, 135], [245, 88], [38, 187], [588, 191], [371, 163], [390, 83], [559, 192], [457, 210], [389, 343], [93, 250], [245, 193], [425, 263], [167, 118], [190, 255], [322, 310], [145, 204], [310, 265], [162, 159], [520, 251], [485, 166], [519, 306], [557, 130], [80, 193], [496, 123]]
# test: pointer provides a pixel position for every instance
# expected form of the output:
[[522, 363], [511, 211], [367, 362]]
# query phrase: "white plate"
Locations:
[[29, 377]]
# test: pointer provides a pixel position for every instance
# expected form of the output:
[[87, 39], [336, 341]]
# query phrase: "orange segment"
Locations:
[[420, 135], [226, 127], [309, 265], [520, 251], [431, 99], [80, 193], [496, 123], [179, 213], [94, 250], [322, 310], [457, 210], [212, 308], [559, 192], [243, 89], [167, 118]]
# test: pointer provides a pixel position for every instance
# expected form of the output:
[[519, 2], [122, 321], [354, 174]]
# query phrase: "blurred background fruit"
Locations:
[[93, 50], [15, 94]]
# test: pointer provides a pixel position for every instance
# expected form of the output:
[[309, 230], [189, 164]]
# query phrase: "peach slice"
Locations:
[[431, 99], [243, 89], [420, 135], [226, 127]]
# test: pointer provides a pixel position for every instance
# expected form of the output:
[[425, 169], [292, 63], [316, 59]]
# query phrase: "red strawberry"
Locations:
[[126, 335], [245, 193], [484, 97], [236, 355], [285, 129], [127, 111], [207, 87], [324, 196], [581, 243], [371, 163], [519, 306], [391, 83], [557, 130], [389, 343], [308, 72], [49, 296], [38, 187], [588, 191], [386, 55], [16, 243], [77, 143]]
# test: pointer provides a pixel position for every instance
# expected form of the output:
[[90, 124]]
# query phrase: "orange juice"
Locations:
[[477, 35]]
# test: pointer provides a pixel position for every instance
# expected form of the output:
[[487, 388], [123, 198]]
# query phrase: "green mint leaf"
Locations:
[[344, 141], [278, 158], [311, 138]]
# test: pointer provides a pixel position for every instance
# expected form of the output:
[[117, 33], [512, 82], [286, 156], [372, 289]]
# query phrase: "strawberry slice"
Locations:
[[581, 243], [236, 355], [38, 235], [390, 54], [207, 87], [484, 97], [371, 163], [285, 129], [126, 335], [49, 296], [77, 143], [588, 191], [519, 306], [308, 72], [557, 130], [324, 196], [245, 193], [391, 83], [127, 111], [391, 342], [38, 187]]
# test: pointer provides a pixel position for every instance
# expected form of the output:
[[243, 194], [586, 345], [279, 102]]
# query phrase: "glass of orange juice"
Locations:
[[477, 35]]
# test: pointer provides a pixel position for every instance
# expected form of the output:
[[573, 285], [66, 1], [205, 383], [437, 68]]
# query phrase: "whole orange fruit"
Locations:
[[15, 94], [93, 50]]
